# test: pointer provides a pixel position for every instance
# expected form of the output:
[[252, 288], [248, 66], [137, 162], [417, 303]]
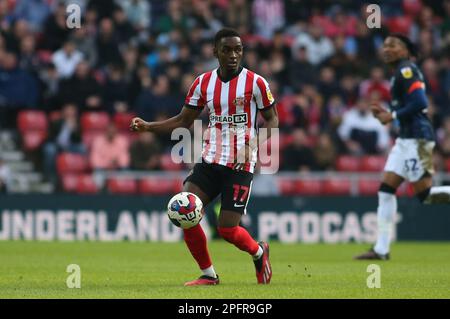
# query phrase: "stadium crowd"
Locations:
[[140, 57]]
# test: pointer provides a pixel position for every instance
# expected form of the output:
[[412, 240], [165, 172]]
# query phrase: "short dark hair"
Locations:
[[225, 33], [410, 46]]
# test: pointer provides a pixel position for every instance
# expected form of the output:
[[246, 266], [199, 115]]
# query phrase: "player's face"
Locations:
[[394, 50], [229, 53]]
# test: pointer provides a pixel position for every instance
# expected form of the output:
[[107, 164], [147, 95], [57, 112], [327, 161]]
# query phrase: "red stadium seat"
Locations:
[[346, 163], [447, 165], [399, 24], [94, 121], [405, 190], [308, 187], [286, 186], [71, 163], [178, 185], [368, 187], [168, 164], [32, 140], [122, 186], [412, 7], [123, 120], [372, 163], [336, 186], [32, 120], [69, 182], [156, 186], [86, 184]]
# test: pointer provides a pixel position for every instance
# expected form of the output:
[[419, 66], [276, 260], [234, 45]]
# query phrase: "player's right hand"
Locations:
[[138, 125]]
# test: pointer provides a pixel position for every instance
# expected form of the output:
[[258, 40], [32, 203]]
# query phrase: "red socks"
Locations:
[[195, 239], [240, 237]]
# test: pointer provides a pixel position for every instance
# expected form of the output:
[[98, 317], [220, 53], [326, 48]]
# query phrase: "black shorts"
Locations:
[[215, 179]]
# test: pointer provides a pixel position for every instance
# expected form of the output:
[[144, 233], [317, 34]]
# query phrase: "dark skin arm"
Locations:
[[184, 119], [271, 121]]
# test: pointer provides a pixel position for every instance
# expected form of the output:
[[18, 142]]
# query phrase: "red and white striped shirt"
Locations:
[[232, 107]]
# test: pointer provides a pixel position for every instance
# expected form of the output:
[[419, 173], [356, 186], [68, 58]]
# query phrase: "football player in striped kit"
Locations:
[[411, 158], [233, 96]]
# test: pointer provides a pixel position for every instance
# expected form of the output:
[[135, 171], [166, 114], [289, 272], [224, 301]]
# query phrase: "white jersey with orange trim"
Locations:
[[232, 107]]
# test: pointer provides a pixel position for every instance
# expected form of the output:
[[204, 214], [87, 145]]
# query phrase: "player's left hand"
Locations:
[[242, 157], [384, 117]]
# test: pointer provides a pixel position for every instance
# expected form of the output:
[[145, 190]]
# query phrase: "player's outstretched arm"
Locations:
[[184, 119]]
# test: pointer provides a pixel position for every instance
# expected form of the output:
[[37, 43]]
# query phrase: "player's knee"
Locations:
[[423, 195], [385, 188], [228, 233]]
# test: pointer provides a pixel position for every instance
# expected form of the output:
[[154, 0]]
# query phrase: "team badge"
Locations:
[[407, 72], [239, 101], [269, 96]]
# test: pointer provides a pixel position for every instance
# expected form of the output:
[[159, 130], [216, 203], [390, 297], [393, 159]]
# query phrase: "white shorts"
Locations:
[[411, 158]]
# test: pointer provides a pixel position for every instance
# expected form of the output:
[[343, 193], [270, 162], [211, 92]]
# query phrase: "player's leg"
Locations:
[[199, 182], [429, 194], [387, 207], [393, 177], [235, 196]]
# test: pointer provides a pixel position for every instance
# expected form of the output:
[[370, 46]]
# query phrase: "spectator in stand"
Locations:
[[145, 152], [318, 47], [107, 44], [35, 12], [138, 13], [301, 70], [298, 156], [82, 89], [325, 152], [156, 99], [66, 59], [110, 151], [64, 136], [55, 29], [268, 16], [115, 92], [85, 44], [18, 89], [361, 132], [376, 83], [28, 59]]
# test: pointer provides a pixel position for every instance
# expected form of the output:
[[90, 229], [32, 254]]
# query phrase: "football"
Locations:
[[185, 210]]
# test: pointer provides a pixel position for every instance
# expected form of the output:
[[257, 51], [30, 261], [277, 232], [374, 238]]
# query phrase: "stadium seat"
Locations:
[[399, 24], [69, 182], [412, 7], [405, 190], [156, 186], [32, 120], [334, 186], [71, 163], [372, 163], [32, 140], [447, 164], [286, 186], [347, 163], [168, 164], [86, 184], [308, 187], [122, 186], [123, 120], [368, 187], [94, 121]]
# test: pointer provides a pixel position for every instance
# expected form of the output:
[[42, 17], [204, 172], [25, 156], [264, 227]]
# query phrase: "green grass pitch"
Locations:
[[158, 270]]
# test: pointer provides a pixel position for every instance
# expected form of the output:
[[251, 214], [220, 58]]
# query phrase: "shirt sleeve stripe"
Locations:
[[416, 85]]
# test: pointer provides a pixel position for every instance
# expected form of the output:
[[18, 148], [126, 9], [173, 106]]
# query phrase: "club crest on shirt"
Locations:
[[269, 96], [241, 100], [406, 72]]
